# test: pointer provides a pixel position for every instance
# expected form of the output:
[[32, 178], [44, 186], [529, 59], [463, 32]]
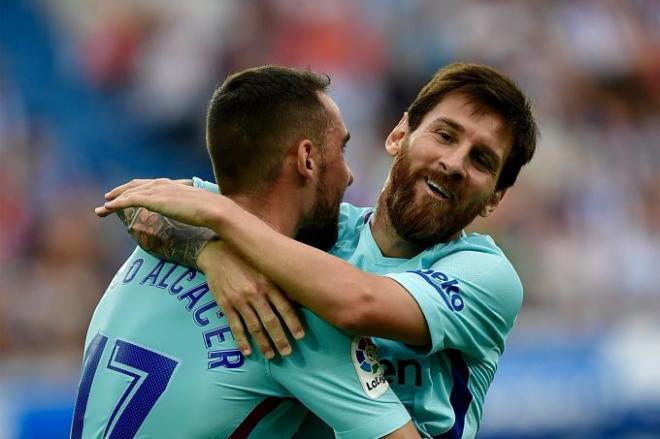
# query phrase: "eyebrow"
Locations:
[[453, 124]]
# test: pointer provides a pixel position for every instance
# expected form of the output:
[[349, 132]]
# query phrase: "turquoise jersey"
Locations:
[[160, 362], [469, 295]]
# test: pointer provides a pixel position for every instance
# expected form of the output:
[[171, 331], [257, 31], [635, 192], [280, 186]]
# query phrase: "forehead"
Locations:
[[478, 123]]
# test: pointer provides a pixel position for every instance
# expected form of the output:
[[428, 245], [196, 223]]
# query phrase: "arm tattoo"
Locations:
[[166, 238]]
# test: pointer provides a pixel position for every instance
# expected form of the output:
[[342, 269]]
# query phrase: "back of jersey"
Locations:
[[160, 361]]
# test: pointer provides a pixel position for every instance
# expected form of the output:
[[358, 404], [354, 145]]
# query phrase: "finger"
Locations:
[[102, 211], [184, 181], [114, 193], [139, 195], [124, 201], [271, 322], [238, 330], [287, 311], [256, 330], [141, 192], [233, 317]]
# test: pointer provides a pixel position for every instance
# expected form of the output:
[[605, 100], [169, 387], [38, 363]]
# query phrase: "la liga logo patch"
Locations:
[[364, 354], [367, 355]]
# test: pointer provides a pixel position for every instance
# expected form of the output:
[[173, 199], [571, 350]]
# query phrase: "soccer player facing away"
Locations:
[[450, 297], [160, 360]]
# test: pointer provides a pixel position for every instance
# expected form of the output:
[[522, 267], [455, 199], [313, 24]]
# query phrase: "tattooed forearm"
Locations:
[[166, 238]]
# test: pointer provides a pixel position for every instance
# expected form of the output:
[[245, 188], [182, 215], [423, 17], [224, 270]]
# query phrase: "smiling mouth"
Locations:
[[437, 188]]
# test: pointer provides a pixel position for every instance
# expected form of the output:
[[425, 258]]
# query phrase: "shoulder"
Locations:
[[477, 263], [469, 293], [352, 220], [353, 216]]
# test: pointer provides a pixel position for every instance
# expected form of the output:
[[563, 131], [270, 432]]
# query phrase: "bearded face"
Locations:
[[418, 213]]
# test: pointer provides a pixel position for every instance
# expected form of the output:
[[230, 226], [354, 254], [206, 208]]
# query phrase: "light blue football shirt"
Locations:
[[470, 295], [160, 362]]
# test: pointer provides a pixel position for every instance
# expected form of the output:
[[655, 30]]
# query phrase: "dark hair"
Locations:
[[490, 90], [255, 116]]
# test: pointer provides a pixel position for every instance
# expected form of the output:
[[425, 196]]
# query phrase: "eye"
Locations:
[[482, 162], [445, 136]]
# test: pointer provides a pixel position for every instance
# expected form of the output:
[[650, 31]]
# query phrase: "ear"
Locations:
[[305, 159], [492, 203], [395, 138]]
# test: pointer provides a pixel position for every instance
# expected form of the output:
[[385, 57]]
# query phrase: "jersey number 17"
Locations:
[[150, 373]]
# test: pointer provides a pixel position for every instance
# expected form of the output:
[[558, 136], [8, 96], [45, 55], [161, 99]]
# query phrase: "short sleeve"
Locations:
[[339, 378], [206, 185], [469, 299]]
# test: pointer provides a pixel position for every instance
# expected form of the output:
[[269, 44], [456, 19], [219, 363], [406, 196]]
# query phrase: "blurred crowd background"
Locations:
[[95, 92]]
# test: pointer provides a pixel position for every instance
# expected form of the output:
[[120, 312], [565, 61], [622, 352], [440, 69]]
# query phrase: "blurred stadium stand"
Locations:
[[95, 92]]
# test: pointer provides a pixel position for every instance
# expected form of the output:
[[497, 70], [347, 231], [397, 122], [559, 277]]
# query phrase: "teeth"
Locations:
[[437, 187]]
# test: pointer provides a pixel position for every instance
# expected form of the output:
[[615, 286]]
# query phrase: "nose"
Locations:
[[453, 163]]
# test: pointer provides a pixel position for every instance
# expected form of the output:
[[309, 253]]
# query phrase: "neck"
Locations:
[[268, 207], [391, 244]]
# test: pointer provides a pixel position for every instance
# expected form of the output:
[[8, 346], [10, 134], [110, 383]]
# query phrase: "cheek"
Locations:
[[343, 173], [423, 160], [482, 187], [337, 179]]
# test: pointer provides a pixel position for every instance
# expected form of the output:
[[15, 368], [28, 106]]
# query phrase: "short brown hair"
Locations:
[[490, 90], [255, 116]]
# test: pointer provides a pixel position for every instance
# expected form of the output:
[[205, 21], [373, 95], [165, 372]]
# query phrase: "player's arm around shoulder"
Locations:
[[319, 281]]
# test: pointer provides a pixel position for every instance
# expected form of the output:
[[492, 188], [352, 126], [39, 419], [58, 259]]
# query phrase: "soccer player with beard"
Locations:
[[160, 360], [450, 297]]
